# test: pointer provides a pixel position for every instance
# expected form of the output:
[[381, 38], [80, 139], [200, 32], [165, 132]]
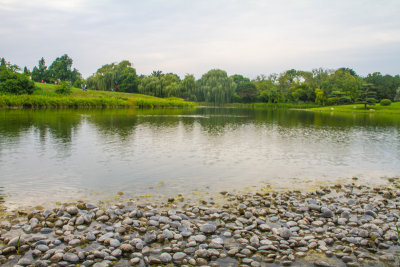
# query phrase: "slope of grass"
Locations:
[[394, 108], [46, 97]]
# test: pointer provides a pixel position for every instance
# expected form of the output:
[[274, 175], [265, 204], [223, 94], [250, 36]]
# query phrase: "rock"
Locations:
[[327, 213], [114, 243], [150, 237], [264, 227], [72, 210], [321, 263], [208, 228], [57, 257], [116, 253], [105, 236], [285, 233], [203, 253], [165, 257], [90, 236], [126, 248], [46, 230], [71, 257], [25, 261], [90, 206], [16, 241], [42, 248], [179, 256], [370, 213], [80, 220]]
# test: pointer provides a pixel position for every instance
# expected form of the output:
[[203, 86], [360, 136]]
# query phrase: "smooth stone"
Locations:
[[90, 236], [71, 257], [115, 243], [165, 257], [16, 241], [179, 256], [72, 210], [208, 228]]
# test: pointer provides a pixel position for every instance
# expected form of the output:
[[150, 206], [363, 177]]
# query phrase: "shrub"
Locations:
[[64, 88], [15, 83], [386, 102]]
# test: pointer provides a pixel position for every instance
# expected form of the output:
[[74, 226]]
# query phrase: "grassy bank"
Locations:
[[46, 97], [266, 105], [394, 108]]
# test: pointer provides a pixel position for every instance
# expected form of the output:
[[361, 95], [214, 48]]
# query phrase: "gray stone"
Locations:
[[285, 233], [115, 243], [72, 210], [46, 230], [16, 241], [25, 261], [126, 248], [208, 228], [179, 256], [71, 257], [116, 253], [42, 248], [165, 257], [90, 236], [327, 213]]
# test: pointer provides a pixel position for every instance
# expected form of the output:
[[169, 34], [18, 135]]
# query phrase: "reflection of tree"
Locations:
[[60, 124]]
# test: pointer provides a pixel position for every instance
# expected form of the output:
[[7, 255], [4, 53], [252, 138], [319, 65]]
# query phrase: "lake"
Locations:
[[66, 155]]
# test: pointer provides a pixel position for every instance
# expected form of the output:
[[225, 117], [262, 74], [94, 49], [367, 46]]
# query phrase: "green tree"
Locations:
[[61, 69], [40, 73], [121, 76], [216, 87], [247, 91], [367, 95], [189, 87], [27, 72]]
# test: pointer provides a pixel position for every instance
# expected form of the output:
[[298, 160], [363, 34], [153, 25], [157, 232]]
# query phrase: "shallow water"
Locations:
[[65, 155]]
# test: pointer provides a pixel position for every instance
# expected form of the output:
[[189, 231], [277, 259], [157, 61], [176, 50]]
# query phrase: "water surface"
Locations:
[[62, 155]]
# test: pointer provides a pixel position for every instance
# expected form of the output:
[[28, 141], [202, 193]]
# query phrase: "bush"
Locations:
[[386, 102], [15, 83], [64, 88]]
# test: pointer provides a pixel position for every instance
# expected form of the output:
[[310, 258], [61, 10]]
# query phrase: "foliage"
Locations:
[[367, 95], [385, 102], [394, 108], [40, 73], [247, 91], [215, 86], [59, 70], [119, 77], [64, 88], [46, 97], [14, 83]]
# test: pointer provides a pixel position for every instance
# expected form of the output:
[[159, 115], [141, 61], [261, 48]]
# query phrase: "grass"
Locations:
[[273, 105], [394, 108], [46, 97]]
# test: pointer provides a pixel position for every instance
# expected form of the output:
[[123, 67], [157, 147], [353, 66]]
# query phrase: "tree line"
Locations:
[[320, 86]]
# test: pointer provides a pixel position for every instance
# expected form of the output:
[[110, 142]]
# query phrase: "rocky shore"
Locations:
[[338, 225]]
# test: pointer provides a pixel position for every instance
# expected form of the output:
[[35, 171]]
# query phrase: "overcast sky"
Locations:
[[248, 37]]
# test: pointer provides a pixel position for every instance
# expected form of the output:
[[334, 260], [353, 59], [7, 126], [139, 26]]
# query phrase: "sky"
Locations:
[[250, 37]]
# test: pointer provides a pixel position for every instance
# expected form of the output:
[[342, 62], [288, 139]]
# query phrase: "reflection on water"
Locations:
[[62, 154]]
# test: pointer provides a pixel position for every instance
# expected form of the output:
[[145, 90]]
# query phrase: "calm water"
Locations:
[[48, 156]]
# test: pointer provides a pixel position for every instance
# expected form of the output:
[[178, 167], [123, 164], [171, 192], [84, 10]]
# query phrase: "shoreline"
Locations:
[[338, 225]]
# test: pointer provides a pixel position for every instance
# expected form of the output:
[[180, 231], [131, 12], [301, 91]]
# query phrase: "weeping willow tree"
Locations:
[[161, 85], [216, 87], [110, 76]]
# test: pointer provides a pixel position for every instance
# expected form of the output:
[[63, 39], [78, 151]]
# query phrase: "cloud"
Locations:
[[249, 37]]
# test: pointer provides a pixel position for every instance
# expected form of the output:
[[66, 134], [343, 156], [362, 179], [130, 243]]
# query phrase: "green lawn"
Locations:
[[46, 97], [394, 108]]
